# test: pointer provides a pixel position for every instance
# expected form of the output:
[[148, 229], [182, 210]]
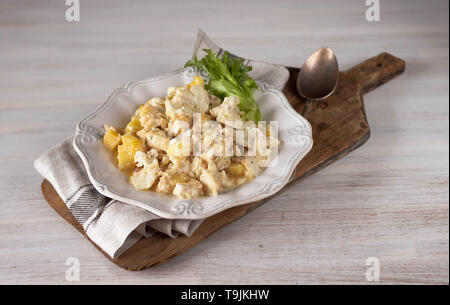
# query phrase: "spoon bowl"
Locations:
[[319, 75]]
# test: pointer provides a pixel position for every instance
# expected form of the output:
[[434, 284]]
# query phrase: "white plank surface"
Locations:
[[389, 199]]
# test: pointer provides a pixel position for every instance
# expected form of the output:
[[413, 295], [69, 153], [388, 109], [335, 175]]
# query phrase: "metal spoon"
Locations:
[[318, 76]]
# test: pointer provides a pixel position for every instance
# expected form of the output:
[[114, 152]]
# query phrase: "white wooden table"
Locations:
[[388, 199]]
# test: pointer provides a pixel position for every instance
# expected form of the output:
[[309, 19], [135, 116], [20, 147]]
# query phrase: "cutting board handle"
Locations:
[[377, 70]]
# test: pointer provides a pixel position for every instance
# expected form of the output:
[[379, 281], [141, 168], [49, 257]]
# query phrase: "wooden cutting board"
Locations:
[[339, 126]]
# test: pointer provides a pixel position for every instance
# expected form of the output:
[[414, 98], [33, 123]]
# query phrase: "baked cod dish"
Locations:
[[199, 139]]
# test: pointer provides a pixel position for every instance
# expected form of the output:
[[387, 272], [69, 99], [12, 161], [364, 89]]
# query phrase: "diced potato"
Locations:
[[133, 126], [132, 141], [235, 170], [125, 159], [125, 152], [111, 139], [196, 81]]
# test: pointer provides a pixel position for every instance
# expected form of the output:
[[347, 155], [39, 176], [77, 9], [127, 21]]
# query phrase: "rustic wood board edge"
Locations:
[[346, 102]]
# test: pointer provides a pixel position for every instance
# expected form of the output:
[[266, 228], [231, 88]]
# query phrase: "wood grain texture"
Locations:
[[339, 126], [387, 199]]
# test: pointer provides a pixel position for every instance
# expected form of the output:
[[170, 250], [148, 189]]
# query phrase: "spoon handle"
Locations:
[[308, 102]]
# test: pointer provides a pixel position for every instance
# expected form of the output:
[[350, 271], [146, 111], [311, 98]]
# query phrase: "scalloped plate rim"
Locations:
[[189, 209]]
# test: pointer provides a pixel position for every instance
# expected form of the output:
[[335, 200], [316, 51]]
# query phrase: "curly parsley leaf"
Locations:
[[229, 77]]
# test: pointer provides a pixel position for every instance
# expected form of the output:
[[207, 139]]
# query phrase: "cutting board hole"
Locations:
[[379, 64]]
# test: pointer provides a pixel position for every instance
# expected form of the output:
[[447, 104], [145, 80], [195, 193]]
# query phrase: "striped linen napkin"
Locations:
[[113, 225]]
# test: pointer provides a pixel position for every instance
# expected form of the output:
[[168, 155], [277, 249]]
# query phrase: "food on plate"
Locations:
[[200, 139]]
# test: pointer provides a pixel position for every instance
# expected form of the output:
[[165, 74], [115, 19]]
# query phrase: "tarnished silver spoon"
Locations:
[[318, 76]]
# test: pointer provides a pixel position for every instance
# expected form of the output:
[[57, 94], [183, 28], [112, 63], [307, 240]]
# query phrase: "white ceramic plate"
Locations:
[[295, 135]]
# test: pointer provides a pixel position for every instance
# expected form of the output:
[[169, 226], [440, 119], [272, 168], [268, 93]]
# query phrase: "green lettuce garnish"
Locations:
[[228, 77]]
